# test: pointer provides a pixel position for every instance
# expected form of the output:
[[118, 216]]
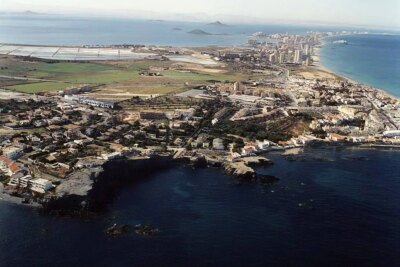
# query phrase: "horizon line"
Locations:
[[194, 17]]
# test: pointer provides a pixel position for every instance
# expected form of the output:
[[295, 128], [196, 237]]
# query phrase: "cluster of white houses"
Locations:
[[10, 168], [37, 185]]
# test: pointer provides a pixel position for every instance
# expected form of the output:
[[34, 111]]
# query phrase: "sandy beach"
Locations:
[[316, 57]]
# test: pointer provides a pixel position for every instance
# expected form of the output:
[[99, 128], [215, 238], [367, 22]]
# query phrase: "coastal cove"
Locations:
[[321, 193]]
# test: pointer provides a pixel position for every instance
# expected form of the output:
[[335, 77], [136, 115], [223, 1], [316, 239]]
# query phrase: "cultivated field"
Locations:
[[113, 79], [37, 87]]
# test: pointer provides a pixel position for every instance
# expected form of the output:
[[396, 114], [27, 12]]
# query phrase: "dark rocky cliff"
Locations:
[[98, 187]]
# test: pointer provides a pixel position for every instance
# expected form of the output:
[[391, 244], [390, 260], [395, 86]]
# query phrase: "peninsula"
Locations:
[[71, 117]]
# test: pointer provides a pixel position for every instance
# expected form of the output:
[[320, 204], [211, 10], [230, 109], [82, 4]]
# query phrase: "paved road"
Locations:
[[287, 91]]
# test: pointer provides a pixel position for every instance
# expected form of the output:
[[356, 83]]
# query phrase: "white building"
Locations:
[[25, 181], [272, 58], [248, 151], [14, 181], [218, 144], [282, 58], [13, 152], [97, 103], [89, 101], [41, 185], [263, 145], [392, 133], [307, 49], [308, 61], [111, 156], [38, 185], [297, 56]]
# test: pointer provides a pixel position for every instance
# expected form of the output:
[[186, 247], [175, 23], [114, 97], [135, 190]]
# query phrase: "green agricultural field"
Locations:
[[32, 88], [122, 76], [47, 70], [67, 71], [103, 77], [195, 76]]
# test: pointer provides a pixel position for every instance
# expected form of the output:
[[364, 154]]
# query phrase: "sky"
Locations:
[[352, 12]]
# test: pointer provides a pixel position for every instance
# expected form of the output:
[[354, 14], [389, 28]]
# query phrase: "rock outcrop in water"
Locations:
[[257, 161], [267, 179], [118, 230], [242, 170], [198, 161], [140, 229]]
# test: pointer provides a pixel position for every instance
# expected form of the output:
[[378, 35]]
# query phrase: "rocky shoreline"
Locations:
[[90, 190], [95, 188]]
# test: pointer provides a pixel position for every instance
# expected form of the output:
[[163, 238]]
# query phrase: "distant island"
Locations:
[[199, 32], [29, 12], [218, 23], [24, 13]]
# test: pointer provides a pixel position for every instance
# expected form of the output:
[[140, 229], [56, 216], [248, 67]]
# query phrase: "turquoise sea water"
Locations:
[[371, 59]]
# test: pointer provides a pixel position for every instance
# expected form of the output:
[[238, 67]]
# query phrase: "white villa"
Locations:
[[38, 185]]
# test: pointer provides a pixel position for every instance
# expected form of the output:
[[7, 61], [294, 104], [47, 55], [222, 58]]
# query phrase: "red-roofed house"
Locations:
[[8, 166]]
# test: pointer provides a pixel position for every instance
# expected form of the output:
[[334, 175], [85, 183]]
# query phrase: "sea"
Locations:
[[331, 207], [64, 30], [372, 59]]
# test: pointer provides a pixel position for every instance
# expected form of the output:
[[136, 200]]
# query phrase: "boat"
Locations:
[[340, 42], [259, 34]]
